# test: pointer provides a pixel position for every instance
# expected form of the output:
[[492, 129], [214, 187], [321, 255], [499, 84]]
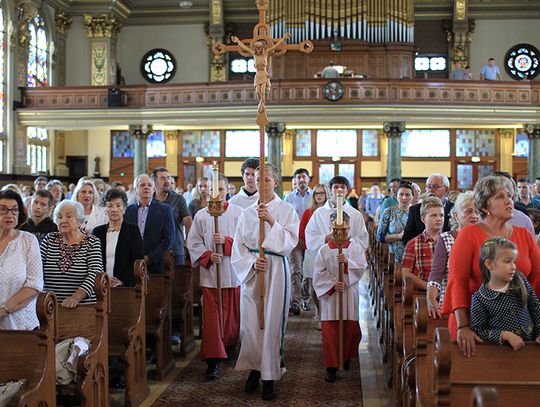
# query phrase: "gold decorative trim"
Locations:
[[101, 26], [62, 21]]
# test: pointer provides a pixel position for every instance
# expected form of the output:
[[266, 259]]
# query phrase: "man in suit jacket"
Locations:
[[436, 185], [155, 221]]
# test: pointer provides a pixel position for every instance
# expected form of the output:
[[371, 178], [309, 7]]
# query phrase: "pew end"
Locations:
[[484, 397]]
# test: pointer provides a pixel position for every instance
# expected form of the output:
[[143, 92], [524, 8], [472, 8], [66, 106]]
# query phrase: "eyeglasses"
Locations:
[[429, 186], [4, 210], [319, 193]]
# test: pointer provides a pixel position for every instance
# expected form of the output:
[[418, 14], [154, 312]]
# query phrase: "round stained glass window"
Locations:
[[158, 66], [522, 62]]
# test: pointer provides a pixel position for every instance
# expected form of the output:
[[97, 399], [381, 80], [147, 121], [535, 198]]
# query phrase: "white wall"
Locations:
[[77, 55], [187, 43], [493, 38]]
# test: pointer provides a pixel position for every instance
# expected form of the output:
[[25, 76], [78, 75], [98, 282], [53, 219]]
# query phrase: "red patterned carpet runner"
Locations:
[[302, 385]]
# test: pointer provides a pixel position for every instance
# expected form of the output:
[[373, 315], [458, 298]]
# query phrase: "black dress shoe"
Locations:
[[331, 374], [346, 364], [213, 369], [231, 353], [295, 309], [252, 381], [268, 390]]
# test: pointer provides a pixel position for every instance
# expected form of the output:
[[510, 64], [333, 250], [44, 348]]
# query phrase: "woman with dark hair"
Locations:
[[121, 242], [21, 273]]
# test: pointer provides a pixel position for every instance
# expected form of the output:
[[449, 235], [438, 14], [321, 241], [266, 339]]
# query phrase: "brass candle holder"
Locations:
[[340, 233]]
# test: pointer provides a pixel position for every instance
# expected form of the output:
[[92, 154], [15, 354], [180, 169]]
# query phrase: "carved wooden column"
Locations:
[[393, 131], [218, 71], [102, 30], [533, 133], [63, 24], [275, 131], [171, 160], [140, 158], [459, 33], [506, 143]]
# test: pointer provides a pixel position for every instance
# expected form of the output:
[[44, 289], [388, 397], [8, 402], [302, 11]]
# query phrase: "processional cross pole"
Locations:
[[261, 47]]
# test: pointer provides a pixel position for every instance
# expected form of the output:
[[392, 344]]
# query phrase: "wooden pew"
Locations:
[[484, 397], [388, 317], [91, 322], [424, 328], [127, 334], [182, 305], [515, 375], [158, 317], [30, 355]]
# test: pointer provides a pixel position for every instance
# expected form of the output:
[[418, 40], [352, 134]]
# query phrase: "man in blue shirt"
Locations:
[[373, 200], [299, 198], [490, 71]]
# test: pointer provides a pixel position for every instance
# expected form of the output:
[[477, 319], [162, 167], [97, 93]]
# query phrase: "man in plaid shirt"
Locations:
[[419, 251]]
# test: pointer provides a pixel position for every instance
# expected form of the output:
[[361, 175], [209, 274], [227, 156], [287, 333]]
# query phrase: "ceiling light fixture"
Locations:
[[185, 4]]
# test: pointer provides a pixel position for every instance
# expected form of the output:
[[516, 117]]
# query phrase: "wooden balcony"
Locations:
[[298, 102]]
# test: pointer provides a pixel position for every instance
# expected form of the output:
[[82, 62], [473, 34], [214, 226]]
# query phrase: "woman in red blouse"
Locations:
[[318, 199], [493, 196]]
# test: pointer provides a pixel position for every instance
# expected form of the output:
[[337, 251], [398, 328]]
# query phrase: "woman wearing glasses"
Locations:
[[20, 267], [318, 199]]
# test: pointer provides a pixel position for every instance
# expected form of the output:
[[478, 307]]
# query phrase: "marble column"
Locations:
[[171, 160], [533, 133], [393, 131], [20, 162], [63, 24], [140, 158], [102, 30], [506, 146], [275, 131]]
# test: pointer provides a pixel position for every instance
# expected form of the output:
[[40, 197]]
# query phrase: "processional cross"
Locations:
[[261, 47]]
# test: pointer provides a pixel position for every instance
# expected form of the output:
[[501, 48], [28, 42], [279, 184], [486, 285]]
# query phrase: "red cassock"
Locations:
[[330, 341]]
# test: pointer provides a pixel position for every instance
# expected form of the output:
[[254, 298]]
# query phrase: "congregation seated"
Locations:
[[71, 258], [40, 222], [20, 267], [200, 197], [121, 242], [56, 188], [493, 198], [87, 194]]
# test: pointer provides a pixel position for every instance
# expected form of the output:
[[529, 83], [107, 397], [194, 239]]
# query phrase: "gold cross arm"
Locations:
[[218, 48]]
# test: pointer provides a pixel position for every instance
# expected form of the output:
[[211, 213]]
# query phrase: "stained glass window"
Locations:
[[484, 170], [155, 145], [243, 143], [37, 153], [303, 143], [123, 144], [347, 170], [425, 143], [475, 143], [201, 143], [158, 66], [465, 176], [337, 143], [2, 89], [38, 54], [326, 172], [370, 143], [521, 148]]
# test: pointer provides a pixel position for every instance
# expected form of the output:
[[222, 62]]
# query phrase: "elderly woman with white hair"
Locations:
[[71, 258], [463, 213], [94, 215]]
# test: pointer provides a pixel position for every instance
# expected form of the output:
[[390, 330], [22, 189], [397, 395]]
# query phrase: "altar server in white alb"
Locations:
[[262, 349], [248, 194], [318, 230], [326, 284], [201, 244]]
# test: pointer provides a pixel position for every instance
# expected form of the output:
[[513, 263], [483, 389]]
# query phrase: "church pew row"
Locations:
[[514, 374], [91, 322], [127, 334], [182, 305], [424, 329], [388, 315], [484, 397], [158, 317], [30, 355]]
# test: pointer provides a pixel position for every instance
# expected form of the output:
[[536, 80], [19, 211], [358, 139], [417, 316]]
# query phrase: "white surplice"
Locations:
[[200, 239], [244, 200], [319, 226], [262, 349], [326, 275]]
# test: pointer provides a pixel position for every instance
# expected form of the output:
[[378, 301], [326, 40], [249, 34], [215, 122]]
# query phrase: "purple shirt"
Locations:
[[520, 219]]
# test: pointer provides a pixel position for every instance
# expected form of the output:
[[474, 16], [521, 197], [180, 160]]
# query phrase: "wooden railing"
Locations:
[[290, 92]]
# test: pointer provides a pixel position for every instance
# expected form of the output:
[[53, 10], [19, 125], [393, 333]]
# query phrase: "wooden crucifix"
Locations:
[[261, 47]]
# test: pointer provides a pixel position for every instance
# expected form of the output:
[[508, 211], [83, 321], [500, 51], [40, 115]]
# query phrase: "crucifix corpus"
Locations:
[[261, 47]]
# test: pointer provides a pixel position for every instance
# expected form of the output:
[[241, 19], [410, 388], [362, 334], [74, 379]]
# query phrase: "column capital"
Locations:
[[101, 25], [140, 131], [62, 21], [171, 134], [532, 130], [506, 133], [394, 129], [275, 128]]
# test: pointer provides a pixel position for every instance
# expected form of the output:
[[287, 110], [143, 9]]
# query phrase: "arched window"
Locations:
[[3, 137], [38, 76]]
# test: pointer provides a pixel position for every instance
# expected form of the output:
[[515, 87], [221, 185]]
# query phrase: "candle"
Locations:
[[215, 182], [339, 220]]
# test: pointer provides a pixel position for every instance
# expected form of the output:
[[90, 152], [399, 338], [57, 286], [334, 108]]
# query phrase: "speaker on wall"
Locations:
[[115, 97]]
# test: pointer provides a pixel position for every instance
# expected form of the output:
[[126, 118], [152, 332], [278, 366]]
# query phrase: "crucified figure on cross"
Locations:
[[261, 55]]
